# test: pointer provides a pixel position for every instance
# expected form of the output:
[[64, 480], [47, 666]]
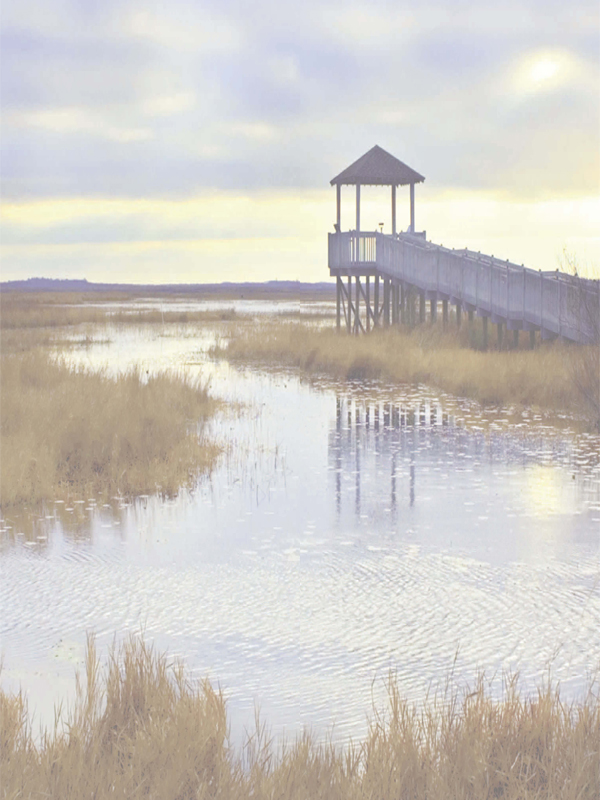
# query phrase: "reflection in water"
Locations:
[[422, 435]]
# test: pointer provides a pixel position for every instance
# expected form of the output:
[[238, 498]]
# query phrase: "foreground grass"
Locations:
[[67, 432], [557, 376], [143, 729]]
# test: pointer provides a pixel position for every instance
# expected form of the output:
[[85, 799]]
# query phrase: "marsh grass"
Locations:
[[66, 432], [40, 311], [142, 728], [542, 377]]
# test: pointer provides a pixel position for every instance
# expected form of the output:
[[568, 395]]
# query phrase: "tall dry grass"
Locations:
[[66, 432], [542, 377], [141, 728]]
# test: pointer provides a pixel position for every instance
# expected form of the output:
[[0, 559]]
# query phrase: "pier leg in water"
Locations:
[[368, 301], [458, 314], [376, 299], [386, 302], [516, 338], [532, 339], [500, 333], [471, 316], [445, 313], [485, 333], [349, 299], [338, 303], [357, 316], [402, 289], [422, 307], [433, 311]]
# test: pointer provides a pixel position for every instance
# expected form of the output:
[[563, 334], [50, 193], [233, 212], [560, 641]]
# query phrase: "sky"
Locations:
[[175, 141]]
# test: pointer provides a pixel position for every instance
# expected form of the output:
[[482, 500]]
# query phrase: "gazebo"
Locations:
[[377, 168], [354, 254]]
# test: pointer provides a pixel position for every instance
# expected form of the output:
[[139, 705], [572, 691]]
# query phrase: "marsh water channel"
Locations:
[[348, 530]]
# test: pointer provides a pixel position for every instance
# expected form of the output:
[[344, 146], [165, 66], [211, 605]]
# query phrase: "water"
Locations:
[[350, 530]]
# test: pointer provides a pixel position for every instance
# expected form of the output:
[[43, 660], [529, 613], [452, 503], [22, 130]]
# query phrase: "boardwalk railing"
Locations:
[[553, 302]]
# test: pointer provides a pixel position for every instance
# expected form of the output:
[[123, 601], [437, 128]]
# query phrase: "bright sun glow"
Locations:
[[543, 71]]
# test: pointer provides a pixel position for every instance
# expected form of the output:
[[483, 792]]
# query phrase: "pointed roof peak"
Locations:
[[377, 167]]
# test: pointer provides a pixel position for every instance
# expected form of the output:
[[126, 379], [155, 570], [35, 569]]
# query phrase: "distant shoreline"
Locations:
[[227, 287]]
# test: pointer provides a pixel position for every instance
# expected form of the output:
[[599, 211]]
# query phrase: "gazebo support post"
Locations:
[[412, 208]]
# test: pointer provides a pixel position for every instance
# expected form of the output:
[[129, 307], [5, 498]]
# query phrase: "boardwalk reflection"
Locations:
[[378, 449]]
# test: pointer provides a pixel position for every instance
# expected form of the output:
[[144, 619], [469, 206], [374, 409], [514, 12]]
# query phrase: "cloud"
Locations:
[[185, 100]]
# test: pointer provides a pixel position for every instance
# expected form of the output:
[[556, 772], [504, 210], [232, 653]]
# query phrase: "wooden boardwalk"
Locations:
[[396, 276], [387, 279]]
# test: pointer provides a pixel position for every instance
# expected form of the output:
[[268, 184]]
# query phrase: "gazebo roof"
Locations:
[[378, 168]]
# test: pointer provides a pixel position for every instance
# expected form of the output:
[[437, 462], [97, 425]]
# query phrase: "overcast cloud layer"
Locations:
[[179, 102]]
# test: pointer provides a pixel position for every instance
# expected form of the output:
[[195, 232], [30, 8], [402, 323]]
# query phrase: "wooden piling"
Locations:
[[349, 301], [485, 333]]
